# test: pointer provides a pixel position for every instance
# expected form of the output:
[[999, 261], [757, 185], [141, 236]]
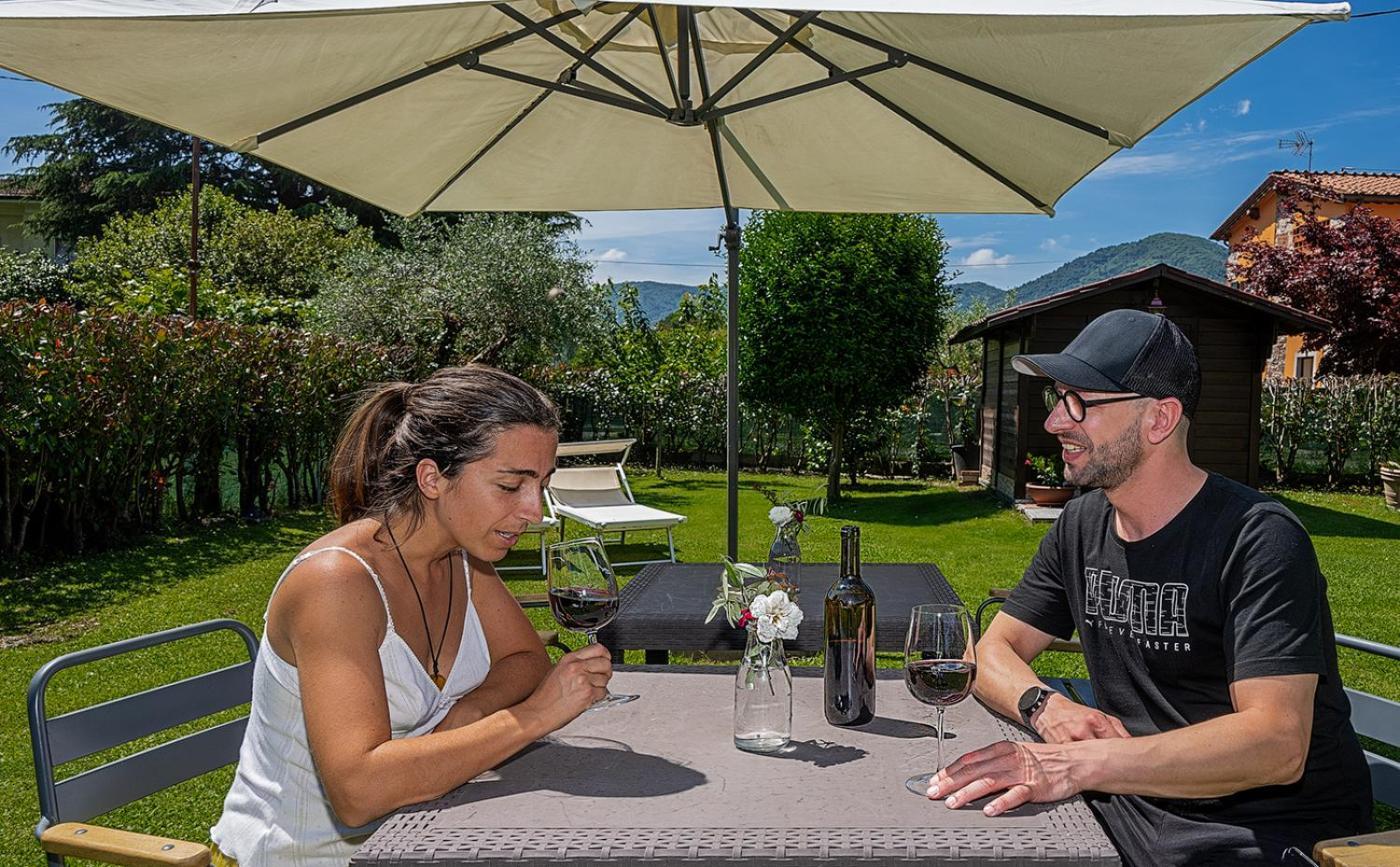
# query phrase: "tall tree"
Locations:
[[1345, 269], [96, 162], [840, 314]]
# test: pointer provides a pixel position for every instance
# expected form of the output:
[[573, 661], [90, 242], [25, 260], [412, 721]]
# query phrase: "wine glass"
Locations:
[[940, 663], [583, 594]]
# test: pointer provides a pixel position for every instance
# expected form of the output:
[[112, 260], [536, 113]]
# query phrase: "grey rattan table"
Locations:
[[659, 782], [664, 608]]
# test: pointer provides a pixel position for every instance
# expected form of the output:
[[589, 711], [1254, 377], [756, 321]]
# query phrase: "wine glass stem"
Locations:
[[938, 767]]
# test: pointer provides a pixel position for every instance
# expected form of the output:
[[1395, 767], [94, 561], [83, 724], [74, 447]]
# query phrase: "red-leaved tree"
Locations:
[[1346, 270]]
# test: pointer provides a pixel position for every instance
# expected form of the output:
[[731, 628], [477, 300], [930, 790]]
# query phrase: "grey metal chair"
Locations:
[[65, 804]]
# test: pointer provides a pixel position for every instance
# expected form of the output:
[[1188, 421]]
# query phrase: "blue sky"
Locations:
[[1338, 82]]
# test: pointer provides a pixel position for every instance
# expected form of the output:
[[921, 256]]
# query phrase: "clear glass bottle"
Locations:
[[763, 697], [785, 559]]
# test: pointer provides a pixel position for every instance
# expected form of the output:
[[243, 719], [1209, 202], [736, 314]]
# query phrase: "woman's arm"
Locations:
[[331, 614], [518, 661]]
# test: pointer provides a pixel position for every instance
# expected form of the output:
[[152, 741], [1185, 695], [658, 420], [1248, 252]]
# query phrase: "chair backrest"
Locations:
[[582, 487], [110, 724], [1379, 719], [618, 448]]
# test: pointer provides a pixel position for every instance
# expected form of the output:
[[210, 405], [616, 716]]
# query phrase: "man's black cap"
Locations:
[[1125, 351]]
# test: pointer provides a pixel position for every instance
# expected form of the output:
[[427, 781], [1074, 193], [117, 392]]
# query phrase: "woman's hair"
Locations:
[[453, 417]]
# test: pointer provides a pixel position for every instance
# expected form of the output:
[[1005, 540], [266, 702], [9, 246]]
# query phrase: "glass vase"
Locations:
[[785, 559], [763, 697]]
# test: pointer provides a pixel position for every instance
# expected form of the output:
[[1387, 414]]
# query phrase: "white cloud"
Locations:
[[612, 254], [986, 256], [983, 240], [1242, 108]]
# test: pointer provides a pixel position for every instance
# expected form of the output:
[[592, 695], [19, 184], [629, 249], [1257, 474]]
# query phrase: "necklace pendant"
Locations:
[[438, 680]]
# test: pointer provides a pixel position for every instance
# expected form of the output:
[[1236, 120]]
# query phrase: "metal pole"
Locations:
[[731, 245], [194, 228]]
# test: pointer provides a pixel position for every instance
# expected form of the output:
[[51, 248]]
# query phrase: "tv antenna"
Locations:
[[1298, 144]]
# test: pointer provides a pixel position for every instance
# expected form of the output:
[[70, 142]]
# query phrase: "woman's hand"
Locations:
[[572, 685]]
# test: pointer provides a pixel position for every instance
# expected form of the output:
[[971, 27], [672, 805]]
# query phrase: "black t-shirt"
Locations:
[[1228, 590]]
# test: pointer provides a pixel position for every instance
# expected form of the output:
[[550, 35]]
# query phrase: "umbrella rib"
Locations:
[[525, 112], [665, 55], [396, 83], [976, 83], [797, 90], [701, 72], [906, 116], [757, 61], [752, 165], [586, 59], [603, 96]]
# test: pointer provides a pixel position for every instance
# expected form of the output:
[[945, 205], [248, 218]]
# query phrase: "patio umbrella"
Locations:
[[971, 106]]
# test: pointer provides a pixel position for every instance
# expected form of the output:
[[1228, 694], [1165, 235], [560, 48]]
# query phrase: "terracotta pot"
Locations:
[[1048, 495], [1390, 483]]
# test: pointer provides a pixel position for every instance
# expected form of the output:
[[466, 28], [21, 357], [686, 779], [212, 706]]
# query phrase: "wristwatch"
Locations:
[[1031, 701]]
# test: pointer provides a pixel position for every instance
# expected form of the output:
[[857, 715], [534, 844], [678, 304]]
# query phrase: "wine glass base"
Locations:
[[919, 785], [612, 699]]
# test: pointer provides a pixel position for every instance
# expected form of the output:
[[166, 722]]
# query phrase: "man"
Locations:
[[1222, 734]]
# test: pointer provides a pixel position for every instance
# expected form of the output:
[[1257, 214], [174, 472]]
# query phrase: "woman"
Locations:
[[395, 665]]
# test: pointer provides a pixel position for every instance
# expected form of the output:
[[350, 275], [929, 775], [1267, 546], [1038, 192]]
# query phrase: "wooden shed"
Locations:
[[1233, 333]]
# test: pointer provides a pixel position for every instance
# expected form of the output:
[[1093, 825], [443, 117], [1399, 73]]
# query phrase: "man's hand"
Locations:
[[1061, 721], [1027, 773]]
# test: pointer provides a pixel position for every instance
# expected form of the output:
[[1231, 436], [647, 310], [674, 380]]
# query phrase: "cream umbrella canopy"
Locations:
[[969, 106]]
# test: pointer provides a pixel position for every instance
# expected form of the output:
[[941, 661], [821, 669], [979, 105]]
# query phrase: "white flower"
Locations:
[[775, 616], [779, 515]]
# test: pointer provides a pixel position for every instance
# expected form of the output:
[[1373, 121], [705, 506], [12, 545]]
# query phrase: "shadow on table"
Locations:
[[576, 765], [898, 728], [823, 754]]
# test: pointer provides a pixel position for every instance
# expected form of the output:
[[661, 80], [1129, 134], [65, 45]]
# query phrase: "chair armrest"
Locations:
[[532, 600], [1382, 847], [115, 846]]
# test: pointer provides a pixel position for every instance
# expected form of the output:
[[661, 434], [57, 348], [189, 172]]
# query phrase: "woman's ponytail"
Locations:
[[359, 462]]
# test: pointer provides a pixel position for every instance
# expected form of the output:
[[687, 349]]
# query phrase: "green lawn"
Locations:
[[228, 572]]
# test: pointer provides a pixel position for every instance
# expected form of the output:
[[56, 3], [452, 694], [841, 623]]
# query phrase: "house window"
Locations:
[[1303, 364]]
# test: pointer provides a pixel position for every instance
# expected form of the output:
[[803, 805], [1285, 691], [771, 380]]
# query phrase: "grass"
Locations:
[[228, 571]]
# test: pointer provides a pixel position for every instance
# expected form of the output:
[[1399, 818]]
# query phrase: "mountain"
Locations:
[[965, 295], [658, 300], [1188, 252]]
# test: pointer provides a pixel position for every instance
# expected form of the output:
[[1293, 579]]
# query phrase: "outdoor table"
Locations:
[[659, 782], [664, 608]]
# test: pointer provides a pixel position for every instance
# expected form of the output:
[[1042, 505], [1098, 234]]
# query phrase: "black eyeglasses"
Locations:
[[1075, 404]]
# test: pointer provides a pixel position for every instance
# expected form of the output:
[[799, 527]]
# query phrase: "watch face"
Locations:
[[1029, 699]]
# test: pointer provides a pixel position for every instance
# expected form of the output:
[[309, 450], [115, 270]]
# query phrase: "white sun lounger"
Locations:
[[600, 498]]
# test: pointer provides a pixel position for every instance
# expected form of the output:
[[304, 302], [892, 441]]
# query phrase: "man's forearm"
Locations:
[[1218, 757], [1001, 678]]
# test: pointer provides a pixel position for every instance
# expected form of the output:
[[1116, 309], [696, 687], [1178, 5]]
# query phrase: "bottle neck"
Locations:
[[850, 555]]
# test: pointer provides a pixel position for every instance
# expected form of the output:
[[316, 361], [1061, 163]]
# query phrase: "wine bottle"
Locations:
[[849, 623]]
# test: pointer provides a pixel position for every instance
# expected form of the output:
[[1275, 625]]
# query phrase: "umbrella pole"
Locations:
[[731, 245]]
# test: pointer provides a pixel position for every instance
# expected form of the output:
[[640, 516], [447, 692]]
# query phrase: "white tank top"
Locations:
[[277, 811]]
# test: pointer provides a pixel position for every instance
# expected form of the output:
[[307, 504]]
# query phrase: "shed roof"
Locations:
[[1282, 312], [1338, 186]]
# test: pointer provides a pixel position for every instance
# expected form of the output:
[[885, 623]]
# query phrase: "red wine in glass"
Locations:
[[583, 609], [940, 682]]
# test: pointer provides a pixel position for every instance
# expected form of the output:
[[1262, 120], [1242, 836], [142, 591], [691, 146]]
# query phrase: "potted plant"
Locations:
[[1047, 485], [1390, 482]]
